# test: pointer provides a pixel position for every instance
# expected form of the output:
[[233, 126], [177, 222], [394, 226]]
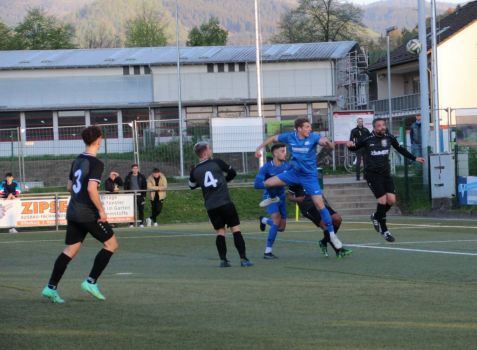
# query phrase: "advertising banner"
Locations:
[[344, 122], [467, 190]]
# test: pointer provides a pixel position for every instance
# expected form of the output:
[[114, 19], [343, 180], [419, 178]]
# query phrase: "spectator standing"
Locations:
[[157, 184], [9, 189], [135, 181]]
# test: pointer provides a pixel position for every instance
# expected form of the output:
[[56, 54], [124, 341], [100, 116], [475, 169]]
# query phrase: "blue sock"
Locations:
[[326, 217], [269, 221], [272, 234]]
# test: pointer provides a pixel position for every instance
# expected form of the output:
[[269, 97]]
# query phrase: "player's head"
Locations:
[[303, 126], [279, 151], [9, 177], [359, 122], [379, 126], [92, 136], [135, 169], [202, 150]]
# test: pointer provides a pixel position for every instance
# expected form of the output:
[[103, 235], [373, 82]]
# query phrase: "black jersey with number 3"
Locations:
[[209, 175], [85, 168]]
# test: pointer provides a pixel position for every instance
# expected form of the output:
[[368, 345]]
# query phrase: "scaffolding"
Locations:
[[352, 81]]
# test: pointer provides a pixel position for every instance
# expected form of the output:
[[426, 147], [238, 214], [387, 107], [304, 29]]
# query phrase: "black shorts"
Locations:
[[226, 215], [314, 214], [380, 184], [76, 231]]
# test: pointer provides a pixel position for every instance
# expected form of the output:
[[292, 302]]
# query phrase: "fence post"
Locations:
[[57, 207], [136, 143]]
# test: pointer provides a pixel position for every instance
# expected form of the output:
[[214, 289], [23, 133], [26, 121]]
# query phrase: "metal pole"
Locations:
[[57, 207], [258, 65], [388, 49], [434, 73], [424, 86], [179, 93]]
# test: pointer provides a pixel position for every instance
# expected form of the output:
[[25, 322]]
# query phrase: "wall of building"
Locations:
[[397, 84]]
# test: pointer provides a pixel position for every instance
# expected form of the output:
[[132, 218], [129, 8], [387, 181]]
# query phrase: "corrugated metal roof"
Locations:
[[43, 59]]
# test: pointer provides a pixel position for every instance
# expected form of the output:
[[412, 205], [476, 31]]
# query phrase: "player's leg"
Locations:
[[326, 217], [272, 231], [218, 222], [103, 232], [272, 186], [233, 221], [390, 201], [74, 237]]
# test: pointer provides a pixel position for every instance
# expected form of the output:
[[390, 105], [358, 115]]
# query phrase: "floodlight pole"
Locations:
[[424, 86], [258, 65], [390, 108], [179, 93], [434, 75]]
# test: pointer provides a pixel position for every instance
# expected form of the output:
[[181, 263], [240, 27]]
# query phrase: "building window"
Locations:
[[125, 70], [139, 115], [231, 67], [108, 121], [147, 70], [9, 122], [210, 68], [220, 67], [137, 70], [241, 67], [39, 126], [70, 125]]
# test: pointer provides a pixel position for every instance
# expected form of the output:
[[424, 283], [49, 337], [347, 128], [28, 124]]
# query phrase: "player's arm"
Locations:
[[226, 168], [404, 152], [94, 196], [354, 146], [325, 142], [192, 181], [69, 184], [260, 179], [269, 141]]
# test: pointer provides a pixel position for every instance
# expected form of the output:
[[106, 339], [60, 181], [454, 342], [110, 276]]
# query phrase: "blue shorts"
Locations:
[[308, 181], [280, 207]]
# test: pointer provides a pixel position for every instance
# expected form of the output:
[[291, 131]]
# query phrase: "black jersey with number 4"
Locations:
[[209, 175], [376, 152], [85, 168]]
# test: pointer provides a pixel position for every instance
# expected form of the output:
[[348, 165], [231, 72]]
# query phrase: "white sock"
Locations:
[[332, 233], [268, 250], [264, 220]]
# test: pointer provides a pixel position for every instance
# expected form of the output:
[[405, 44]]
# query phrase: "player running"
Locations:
[[377, 171], [209, 175], [277, 210], [303, 167], [297, 194], [85, 214]]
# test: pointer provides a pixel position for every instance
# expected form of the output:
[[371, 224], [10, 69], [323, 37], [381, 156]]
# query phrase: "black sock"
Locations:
[[388, 207], [380, 215], [326, 236], [58, 270], [100, 263], [336, 228], [221, 247], [239, 244]]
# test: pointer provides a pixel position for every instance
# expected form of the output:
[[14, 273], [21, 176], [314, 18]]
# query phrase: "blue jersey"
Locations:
[[269, 169], [303, 151]]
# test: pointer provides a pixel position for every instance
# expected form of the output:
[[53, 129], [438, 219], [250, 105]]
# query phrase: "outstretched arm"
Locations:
[[270, 140], [405, 152], [325, 142]]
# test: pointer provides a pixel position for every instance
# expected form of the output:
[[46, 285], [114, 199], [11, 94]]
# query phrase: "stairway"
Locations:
[[350, 197]]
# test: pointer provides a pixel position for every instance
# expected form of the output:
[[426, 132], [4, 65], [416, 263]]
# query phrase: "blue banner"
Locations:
[[467, 190]]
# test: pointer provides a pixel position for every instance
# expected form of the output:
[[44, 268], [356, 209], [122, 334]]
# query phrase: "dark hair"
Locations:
[[200, 147], [156, 170], [300, 121], [377, 120], [135, 164], [91, 134], [8, 175], [277, 146]]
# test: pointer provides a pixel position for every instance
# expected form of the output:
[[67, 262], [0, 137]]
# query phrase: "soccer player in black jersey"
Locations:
[[377, 147], [85, 214], [296, 193], [209, 175]]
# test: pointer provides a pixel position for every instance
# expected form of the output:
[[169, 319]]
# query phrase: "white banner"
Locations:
[[231, 135], [31, 212], [344, 122]]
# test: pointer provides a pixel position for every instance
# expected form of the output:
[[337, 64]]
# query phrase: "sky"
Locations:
[[365, 2]]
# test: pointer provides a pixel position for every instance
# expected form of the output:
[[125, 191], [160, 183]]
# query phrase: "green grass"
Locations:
[[175, 296]]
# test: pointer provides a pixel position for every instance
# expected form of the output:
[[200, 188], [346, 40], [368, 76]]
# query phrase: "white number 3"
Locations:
[[77, 185], [209, 180]]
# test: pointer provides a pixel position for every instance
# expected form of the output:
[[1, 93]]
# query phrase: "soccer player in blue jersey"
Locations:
[[277, 211], [303, 167]]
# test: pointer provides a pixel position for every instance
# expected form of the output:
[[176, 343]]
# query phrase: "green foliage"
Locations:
[[145, 31], [38, 31], [209, 33], [6, 37]]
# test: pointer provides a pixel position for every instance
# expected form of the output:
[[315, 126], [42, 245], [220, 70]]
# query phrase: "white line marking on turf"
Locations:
[[416, 225], [124, 273], [412, 250]]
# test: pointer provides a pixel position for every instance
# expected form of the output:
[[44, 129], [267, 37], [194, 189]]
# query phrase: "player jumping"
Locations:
[[303, 167], [209, 175], [377, 171], [305, 203], [85, 214], [277, 210]]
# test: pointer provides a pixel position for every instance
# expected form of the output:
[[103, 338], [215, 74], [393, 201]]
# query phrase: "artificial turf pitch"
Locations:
[[165, 290]]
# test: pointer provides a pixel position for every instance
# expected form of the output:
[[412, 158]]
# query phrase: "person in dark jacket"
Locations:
[[113, 182], [9, 189], [135, 181], [357, 134]]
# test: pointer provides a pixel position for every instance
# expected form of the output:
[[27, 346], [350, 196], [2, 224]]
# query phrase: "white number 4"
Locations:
[[209, 180]]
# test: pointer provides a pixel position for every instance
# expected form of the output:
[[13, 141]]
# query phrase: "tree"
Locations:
[[208, 34], [145, 31], [5, 37], [320, 20], [38, 31]]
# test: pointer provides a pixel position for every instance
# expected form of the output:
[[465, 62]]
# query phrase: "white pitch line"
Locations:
[[416, 225], [412, 250]]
